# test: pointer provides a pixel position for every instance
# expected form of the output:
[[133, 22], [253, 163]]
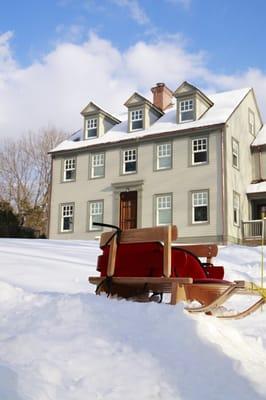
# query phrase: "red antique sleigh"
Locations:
[[143, 264]]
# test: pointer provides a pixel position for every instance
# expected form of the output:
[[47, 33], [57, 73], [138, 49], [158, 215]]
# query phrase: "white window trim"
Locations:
[[199, 151], [202, 205], [251, 122], [158, 156], [91, 214], [94, 123], [137, 118], [124, 162], [71, 208], [189, 108], [157, 209], [235, 153], [69, 165], [93, 165]]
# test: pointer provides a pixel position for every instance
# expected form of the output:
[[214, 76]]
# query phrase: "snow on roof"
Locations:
[[224, 104], [257, 187], [261, 137]]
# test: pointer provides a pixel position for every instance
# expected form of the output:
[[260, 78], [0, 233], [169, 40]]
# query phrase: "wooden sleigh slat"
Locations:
[[154, 234], [207, 251]]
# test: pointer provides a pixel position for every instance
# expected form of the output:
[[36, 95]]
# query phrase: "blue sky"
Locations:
[[231, 32], [216, 44]]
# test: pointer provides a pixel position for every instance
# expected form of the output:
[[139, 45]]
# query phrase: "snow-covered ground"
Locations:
[[58, 341]]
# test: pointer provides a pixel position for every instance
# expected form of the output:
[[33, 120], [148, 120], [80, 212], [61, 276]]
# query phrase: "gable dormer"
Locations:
[[141, 113], [191, 103], [97, 121]]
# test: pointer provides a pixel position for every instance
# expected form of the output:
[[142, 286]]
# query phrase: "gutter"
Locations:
[[147, 138]]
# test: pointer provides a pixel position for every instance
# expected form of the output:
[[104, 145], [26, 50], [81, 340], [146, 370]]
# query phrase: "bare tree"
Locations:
[[25, 173]]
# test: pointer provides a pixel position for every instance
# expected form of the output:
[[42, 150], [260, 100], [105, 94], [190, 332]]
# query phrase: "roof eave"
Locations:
[[140, 139]]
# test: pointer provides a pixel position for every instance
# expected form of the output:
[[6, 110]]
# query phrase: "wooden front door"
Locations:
[[128, 210]]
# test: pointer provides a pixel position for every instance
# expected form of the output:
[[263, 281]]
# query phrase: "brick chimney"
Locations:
[[162, 96]]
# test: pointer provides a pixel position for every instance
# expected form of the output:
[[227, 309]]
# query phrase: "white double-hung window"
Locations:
[[164, 156], [67, 215], [163, 209], [199, 151], [186, 110], [235, 153], [91, 131], [136, 119], [95, 214], [129, 161], [69, 169], [97, 165], [200, 205]]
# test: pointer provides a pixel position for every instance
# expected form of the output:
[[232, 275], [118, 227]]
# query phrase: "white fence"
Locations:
[[254, 229]]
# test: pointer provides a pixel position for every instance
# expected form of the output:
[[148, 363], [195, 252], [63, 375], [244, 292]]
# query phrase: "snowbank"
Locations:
[[60, 341]]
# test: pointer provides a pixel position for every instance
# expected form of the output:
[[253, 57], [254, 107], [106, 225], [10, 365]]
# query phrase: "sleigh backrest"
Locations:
[[165, 234]]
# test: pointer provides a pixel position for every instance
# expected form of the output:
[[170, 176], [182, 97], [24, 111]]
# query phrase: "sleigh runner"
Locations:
[[142, 265]]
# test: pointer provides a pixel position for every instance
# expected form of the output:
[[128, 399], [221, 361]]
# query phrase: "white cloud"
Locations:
[[53, 90], [135, 10], [7, 63]]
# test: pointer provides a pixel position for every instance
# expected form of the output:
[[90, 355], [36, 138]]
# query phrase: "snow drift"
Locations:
[[60, 341]]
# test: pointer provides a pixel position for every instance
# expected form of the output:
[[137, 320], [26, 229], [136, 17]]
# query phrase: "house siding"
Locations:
[[237, 180], [181, 180]]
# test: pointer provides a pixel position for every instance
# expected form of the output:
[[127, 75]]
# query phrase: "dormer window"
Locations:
[[92, 124], [136, 119], [186, 110]]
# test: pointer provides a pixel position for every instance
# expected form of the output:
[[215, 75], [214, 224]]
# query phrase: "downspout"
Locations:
[[223, 169], [260, 169], [50, 198]]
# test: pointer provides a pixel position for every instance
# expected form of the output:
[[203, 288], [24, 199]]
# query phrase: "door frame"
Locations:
[[119, 187]]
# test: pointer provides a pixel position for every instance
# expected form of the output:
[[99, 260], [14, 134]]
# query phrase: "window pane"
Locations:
[[200, 198], [187, 116], [67, 224], [92, 133], [69, 169], [130, 166], [130, 161], [97, 162], [164, 162], [164, 217], [67, 217], [136, 119], [96, 214], [137, 124], [199, 150], [164, 210], [235, 150], [98, 171], [186, 108], [201, 214], [200, 157], [69, 175]]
